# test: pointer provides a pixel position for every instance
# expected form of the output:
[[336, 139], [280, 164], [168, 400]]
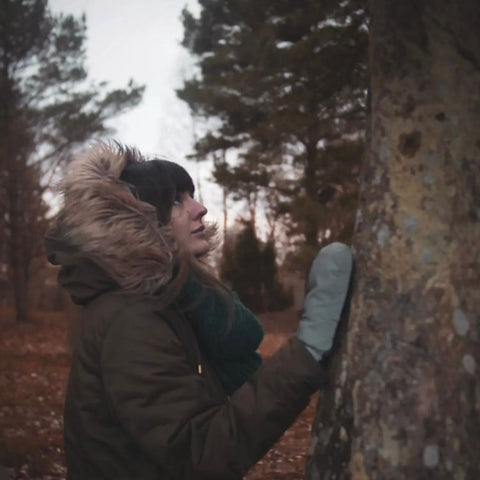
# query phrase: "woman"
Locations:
[[166, 382]]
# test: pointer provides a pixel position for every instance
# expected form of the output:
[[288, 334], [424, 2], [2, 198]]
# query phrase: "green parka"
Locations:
[[142, 400]]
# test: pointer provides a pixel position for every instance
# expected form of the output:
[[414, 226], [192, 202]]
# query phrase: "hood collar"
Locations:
[[103, 223]]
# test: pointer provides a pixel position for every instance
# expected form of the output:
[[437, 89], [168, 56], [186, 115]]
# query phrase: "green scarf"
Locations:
[[230, 348]]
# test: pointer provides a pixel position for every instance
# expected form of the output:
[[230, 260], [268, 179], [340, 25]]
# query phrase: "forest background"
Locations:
[[312, 143], [285, 134], [282, 113]]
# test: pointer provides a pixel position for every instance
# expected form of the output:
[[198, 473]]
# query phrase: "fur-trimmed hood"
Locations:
[[102, 222]]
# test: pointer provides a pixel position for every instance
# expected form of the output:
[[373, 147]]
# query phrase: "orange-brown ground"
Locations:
[[34, 365]]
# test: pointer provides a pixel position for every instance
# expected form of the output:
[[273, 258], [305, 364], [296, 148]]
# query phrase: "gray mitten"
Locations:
[[327, 290]]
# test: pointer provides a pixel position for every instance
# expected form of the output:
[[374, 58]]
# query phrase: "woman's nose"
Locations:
[[198, 210]]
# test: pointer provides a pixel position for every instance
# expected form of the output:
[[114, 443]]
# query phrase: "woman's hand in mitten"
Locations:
[[327, 289]]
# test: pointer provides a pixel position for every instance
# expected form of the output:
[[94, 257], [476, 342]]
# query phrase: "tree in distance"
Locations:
[[47, 107], [286, 82]]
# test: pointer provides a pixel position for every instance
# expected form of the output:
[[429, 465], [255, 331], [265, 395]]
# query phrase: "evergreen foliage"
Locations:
[[287, 80], [47, 107], [250, 269]]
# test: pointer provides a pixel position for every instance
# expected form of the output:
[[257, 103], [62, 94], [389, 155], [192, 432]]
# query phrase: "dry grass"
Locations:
[[33, 371], [280, 322], [34, 365], [286, 459]]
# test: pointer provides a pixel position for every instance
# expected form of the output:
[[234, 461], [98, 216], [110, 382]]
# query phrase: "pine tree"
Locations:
[[287, 81], [240, 267], [275, 296], [249, 267], [46, 108]]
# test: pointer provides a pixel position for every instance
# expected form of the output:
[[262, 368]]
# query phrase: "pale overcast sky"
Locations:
[[141, 40]]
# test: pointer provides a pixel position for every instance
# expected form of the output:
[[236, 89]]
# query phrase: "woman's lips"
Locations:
[[200, 229]]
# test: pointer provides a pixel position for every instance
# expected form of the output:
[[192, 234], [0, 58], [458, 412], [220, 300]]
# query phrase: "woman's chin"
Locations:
[[199, 247]]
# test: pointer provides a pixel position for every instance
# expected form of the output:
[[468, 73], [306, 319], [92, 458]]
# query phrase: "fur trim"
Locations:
[[103, 219]]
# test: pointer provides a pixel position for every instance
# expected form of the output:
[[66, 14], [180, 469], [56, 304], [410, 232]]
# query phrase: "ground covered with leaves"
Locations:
[[34, 365]]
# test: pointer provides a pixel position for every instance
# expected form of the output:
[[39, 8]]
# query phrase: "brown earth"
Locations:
[[34, 364]]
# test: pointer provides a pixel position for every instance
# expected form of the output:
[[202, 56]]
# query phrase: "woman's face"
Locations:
[[186, 221]]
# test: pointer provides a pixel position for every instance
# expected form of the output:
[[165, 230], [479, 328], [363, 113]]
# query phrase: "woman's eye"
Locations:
[[178, 200]]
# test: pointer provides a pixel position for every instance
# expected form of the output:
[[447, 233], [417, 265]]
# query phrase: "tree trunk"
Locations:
[[405, 396], [19, 260], [224, 201], [19, 278], [310, 184], [12, 141]]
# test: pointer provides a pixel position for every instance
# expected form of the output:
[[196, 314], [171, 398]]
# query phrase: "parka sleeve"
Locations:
[[167, 408]]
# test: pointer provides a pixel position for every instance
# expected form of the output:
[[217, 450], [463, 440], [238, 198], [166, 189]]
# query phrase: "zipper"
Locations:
[[182, 326]]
